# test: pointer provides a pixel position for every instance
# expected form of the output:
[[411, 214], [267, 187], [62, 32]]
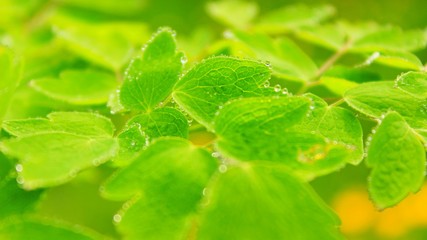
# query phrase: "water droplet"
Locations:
[[268, 64], [184, 59], [20, 180], [19, 167], [222, 168], [228, 34], [144, 47], [190, 121], [96, 162], [216, 154], [277, 88], [350, 147], [147, 140], [267, 84], [205, 191], [72, 173], [312, 107], [372, 58], [117, 218], [285, 91]]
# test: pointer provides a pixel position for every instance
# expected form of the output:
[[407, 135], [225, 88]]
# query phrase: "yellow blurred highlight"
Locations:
[[358, 214]]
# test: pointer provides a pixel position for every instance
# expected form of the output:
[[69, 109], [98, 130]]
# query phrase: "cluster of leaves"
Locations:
[[273, 124]]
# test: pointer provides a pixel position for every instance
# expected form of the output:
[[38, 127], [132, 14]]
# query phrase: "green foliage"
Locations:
[[87, 87], [161, 64], [38, 229], [9, 78], [267, 195], [220, 145], [213, 82], [398, 159], [53, 150], [166, 181]]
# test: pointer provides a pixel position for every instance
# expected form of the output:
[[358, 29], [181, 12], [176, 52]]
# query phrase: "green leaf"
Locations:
[[237, 14], [135, 32], [335, 124], [14, 200], [214, 81], [328, 35], [280, 206], [337, 85], [358, 75], [398, 161], [397, 59], [149, 78], [143, 128], [287, 130], [9, 78], [113, 8], [87, 87], [391, 38], [105, 48], [364, 37], [286, 58], [51, 151], [414, 83], [294, 17], [375, 99], [40, 229], [166, 182]]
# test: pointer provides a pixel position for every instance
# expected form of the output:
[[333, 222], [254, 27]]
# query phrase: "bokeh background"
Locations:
[[345, 191]]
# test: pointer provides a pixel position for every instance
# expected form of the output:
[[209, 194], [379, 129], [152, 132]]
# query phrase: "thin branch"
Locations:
[[339, 102], [326, 65], [40, 16], [333, 59]]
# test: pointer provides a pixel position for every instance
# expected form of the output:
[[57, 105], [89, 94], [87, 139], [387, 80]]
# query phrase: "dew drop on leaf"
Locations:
[[20, 180], [184, 59], [117, 218], [285, 91], [228, 34], [222, 168], [19, 167], [277, 88], [216, 154]]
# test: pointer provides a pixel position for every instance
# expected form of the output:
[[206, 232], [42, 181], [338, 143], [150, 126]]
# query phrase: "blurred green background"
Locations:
[[79, 201]]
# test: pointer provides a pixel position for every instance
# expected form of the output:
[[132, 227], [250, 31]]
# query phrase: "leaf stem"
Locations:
[[326, 65], [333, 59], [339, 102], [40, 16]]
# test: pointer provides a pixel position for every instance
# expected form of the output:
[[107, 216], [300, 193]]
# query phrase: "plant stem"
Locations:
[[333, 59], [40, 16], [326, 65], [337, 102]]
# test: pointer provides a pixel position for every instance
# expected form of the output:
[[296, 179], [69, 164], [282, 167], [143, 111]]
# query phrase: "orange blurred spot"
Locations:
[[355, 210], [358, 214]]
